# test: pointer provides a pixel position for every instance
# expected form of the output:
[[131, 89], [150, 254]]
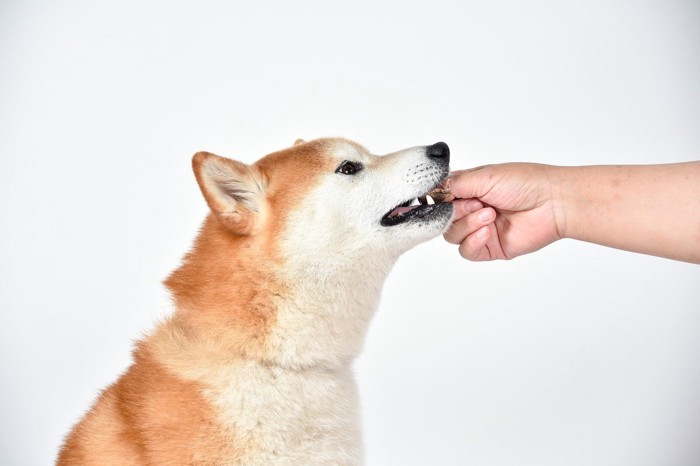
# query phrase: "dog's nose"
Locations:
[[439, 150]]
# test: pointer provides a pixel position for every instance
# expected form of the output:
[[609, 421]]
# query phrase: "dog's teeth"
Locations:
[[422, 200], [415, 201], [430, 199]]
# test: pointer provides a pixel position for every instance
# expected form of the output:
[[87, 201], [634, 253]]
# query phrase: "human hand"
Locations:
[[504, 211]]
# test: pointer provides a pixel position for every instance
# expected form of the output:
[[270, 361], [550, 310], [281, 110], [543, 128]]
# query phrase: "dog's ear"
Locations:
[[232, 190], [299, 141]]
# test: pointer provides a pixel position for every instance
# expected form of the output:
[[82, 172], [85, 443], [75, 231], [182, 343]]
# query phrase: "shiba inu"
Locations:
[[272, 304]]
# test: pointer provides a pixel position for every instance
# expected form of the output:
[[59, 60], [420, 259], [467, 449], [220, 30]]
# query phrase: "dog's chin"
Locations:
[[435, 220]]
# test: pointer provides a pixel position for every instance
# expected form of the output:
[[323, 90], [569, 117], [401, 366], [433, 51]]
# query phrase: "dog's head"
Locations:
[[299, 243], [326, 198]]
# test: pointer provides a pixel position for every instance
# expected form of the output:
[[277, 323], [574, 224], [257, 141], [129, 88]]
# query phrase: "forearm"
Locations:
[[651, 209]]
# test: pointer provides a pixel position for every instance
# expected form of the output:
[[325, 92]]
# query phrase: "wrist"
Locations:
[[562, 198]]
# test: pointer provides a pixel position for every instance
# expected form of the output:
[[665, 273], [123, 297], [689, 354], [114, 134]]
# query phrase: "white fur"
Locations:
[[305, 417], [337, 257], [338, 254]]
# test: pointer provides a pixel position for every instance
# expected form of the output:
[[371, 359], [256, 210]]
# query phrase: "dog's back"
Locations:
[[149, 416]]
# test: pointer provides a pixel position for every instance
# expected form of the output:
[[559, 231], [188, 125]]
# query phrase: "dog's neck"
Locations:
[[310, 311], [325, 319]]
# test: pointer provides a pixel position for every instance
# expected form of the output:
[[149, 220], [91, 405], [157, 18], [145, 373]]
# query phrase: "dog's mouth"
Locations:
[[418, 207]]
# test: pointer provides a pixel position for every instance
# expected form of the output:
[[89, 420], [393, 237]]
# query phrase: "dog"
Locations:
[[272, 304]]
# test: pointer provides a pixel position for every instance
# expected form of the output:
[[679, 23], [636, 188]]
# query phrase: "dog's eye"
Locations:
[[348, 168]]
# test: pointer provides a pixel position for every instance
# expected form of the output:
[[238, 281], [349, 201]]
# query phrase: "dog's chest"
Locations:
[[290, 417]]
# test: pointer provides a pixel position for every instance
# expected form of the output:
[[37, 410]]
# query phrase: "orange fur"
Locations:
[[224, 294], [149, 416]]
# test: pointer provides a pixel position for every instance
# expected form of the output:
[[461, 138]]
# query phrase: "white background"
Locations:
[[575, 355]]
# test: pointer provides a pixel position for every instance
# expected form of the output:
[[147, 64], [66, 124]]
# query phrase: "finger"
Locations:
[[462, 207], [467, 184], [469, 224], [474, 248], [493, 244]]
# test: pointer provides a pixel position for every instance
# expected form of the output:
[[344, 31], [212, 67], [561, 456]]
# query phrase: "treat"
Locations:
[[441, 195]]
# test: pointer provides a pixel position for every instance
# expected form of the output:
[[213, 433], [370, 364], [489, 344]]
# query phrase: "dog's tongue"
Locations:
[[402, 210]]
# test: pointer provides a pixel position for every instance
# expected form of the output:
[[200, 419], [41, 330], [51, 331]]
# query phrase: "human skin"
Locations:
[[507, 210]]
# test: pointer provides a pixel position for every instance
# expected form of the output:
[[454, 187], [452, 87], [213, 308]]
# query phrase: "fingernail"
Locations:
[[485, 215], [483, 231]]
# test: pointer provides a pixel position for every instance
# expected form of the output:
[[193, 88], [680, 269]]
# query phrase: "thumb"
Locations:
[[470, 183]]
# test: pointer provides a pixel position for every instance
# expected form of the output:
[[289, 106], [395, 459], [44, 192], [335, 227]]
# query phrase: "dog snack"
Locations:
[[441, 195]]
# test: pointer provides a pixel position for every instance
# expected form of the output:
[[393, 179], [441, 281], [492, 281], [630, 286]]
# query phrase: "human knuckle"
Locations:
[[466, 252]]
